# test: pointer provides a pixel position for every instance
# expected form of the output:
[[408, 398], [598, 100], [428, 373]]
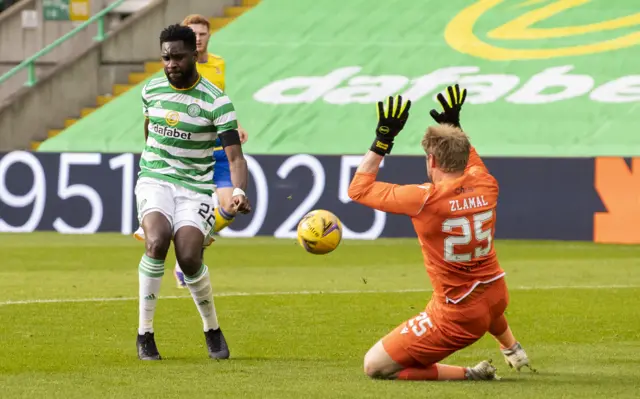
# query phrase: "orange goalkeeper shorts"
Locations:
[[442, 329]]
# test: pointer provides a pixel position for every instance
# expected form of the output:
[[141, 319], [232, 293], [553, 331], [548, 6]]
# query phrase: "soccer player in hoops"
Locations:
[[211, 67], [184, 114], [454, 219]]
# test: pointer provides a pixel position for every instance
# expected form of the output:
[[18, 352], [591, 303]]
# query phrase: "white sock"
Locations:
[[202, 293], [150, 272]]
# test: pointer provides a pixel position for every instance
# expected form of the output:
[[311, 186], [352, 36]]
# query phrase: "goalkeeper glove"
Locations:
[[452, 107], [392, 116]]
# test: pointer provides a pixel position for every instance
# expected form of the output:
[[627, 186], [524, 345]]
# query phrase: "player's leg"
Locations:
[[179, 276], [194, 222], [177, 273], [155, 210], [379, 364], [514, 355], [502, 333], [223, 214], [412, 352]]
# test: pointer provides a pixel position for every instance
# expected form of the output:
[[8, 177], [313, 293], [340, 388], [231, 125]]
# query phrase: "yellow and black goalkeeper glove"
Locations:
[[392, 115], [452, 107]]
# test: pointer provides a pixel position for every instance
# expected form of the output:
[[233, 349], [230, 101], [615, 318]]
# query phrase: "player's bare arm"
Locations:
[[145, 113], [239, 170], [146, 129], [244, 136]]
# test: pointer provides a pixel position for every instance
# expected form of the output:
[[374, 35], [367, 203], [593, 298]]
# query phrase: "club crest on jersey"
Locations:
[[172, 118], [193, 110]]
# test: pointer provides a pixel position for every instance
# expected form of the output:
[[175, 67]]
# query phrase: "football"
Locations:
[[319, 232]]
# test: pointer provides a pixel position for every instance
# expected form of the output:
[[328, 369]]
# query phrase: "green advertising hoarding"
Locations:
[[545, 77]]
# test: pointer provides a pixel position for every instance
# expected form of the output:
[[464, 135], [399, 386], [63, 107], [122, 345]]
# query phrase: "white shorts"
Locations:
[[181, 206]]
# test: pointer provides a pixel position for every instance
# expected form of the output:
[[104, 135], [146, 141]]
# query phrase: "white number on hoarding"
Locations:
[[125, 161], [259, 212], [288, 228], [37, 195], [66, 191]]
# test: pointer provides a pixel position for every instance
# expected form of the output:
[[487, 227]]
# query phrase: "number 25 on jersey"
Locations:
[[473, 229]]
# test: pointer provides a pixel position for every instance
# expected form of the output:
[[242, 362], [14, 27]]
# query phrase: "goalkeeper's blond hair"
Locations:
[[449, 146]]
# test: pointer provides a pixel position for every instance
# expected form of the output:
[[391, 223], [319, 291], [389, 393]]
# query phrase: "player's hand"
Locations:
[[244, 136], [392, 116], [451, 107], [240, 203]]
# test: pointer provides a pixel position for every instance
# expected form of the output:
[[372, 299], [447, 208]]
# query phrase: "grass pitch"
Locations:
[[299, 325]]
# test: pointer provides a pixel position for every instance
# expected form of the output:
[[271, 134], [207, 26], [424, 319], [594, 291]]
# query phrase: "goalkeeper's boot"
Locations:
[[483, 371], [516, 357], [179, 275], [216, 344], [147, 349]]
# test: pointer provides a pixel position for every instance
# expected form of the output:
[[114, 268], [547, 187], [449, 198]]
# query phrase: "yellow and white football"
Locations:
[[319, 232]]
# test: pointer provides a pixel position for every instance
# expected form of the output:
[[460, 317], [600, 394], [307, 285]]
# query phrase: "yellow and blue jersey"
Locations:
[[213, 71]]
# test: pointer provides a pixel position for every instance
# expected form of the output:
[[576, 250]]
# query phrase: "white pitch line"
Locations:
[[317, 292]]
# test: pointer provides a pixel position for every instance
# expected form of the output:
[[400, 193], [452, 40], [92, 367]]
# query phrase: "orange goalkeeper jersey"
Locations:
[[454, 221]]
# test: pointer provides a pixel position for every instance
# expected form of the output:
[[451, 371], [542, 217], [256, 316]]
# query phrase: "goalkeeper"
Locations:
[[470, 295]]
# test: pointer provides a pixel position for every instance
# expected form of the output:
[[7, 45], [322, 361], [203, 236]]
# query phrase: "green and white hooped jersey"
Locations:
[[183, 127]]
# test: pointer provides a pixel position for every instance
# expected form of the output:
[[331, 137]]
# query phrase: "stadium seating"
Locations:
[[150, 68]]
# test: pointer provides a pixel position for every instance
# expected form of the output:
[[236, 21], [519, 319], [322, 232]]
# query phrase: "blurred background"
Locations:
[[553, 99]]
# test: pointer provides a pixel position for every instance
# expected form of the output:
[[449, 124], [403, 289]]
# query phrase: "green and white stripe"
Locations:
[[183, 128], [151, 267], [196, 277]]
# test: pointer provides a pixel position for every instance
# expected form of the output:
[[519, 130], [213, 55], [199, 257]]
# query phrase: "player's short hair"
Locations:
[[176, 32], [196, 19], [449, 145]]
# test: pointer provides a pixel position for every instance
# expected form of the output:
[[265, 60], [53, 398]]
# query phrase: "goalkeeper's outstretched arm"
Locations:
[[393, 198], [364, 189]]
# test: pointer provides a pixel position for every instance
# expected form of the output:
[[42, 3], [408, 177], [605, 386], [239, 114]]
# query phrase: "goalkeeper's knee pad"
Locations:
[[223, 219]]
